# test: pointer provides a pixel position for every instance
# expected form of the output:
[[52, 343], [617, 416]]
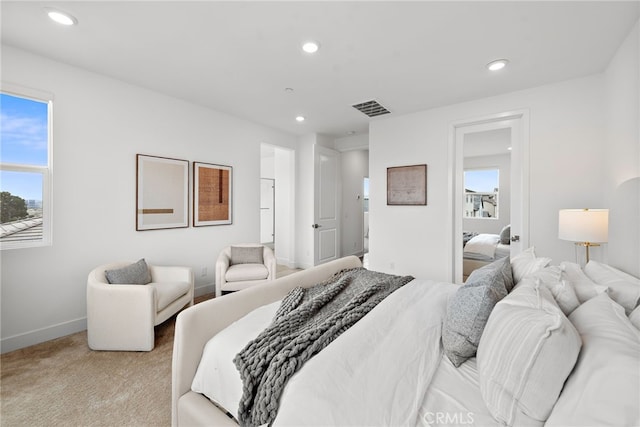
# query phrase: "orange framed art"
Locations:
[[212, 194]]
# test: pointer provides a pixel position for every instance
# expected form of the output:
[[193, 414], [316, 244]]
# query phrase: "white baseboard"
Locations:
[[286, 262], [303, 266], [63, 329], [209, 288], [357, 253], [38, 336]]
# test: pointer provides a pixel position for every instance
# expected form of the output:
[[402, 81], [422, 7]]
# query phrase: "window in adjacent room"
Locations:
[[481, 193], [25, 168]]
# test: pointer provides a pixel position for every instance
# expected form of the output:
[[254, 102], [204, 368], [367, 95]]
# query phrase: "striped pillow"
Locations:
[[526, 352]]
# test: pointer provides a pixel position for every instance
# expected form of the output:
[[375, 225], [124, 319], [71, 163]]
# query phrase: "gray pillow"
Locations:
[[505, 235], [134, 274], [246, 255], [469, 309]]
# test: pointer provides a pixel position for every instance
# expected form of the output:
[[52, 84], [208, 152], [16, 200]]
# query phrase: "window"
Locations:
[[481, 193], [25, 168]]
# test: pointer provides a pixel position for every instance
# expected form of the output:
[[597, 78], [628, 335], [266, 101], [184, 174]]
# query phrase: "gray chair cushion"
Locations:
[[469, 309], [134, 274], [247, 255]]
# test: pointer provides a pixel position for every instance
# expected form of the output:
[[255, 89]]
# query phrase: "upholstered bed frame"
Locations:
[[196, 325]]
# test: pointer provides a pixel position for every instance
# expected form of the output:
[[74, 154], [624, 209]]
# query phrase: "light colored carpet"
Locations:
[[64, 383]]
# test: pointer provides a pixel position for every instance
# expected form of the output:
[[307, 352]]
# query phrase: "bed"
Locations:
[[565, 343], [480, 249]]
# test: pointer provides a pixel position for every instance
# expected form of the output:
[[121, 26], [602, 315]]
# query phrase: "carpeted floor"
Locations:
[[64, 383]]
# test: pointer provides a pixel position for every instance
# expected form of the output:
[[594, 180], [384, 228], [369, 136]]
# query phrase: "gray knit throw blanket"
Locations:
[[306, 322]]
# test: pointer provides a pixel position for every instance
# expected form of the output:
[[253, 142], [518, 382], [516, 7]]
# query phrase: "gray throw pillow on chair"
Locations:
[[134, 274], [247, 255]]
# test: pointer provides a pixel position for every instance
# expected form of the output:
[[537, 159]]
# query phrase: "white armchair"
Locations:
[[122, 317], [246, 269]]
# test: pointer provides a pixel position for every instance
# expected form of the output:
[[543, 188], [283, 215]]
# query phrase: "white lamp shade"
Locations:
[[584, 225]]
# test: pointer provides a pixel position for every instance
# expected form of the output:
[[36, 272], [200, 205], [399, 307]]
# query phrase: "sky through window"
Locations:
[[24, 141]]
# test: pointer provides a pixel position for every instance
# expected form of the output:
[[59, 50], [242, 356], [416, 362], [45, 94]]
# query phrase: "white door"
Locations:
[[518, 122], [326, 226], [267, 218]]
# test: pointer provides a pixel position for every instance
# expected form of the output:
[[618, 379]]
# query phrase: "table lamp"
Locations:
[[586, 227]]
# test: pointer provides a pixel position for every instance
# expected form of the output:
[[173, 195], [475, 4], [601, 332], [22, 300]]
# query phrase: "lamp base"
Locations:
[[586, 245]]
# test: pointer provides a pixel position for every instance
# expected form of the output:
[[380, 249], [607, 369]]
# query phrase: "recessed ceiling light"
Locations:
[[509, 148], [300, 119], [351, 132], [311, 47], [498, 64], [61, 17]]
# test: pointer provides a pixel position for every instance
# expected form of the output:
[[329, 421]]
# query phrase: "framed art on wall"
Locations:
[[212, 194], [407, 185], [162, 193]]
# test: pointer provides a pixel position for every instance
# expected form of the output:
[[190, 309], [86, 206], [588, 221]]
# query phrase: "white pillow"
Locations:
[[585, 288], [526, 352], [604, 388], [562, 290], [526, 263], [623, 288], [634, 317]]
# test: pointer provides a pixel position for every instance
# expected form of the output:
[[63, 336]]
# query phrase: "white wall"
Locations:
[[622, 160], [355, 167], [567, 131], [352, 142], [99, 126], [503, 164]]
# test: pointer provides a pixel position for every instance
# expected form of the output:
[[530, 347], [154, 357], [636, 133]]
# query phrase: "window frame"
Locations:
[[46, 171]]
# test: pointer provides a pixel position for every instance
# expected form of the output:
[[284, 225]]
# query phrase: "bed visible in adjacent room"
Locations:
[[480, 249]]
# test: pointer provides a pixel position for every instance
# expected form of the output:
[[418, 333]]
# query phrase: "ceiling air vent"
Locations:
[[371, 108]]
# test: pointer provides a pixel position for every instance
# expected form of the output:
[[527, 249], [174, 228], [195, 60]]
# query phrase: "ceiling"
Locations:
[[238, 57]]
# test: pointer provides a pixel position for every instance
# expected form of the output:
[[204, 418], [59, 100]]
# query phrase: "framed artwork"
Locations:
[[212, 195], [162, 193], [407, 185]]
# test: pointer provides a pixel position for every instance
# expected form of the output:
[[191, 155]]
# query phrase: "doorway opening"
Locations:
[[277, 201], [495, 143]]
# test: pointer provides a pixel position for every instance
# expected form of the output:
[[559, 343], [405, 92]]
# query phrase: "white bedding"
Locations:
[[453, 398], [485, 247], [217, 377], [389, 369], [384, 387]]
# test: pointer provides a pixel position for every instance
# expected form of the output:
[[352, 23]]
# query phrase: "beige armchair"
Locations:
[[122, 317], [242, 266]]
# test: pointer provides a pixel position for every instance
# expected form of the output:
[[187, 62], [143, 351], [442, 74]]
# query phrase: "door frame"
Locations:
[[518, 122], [272, 242]]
